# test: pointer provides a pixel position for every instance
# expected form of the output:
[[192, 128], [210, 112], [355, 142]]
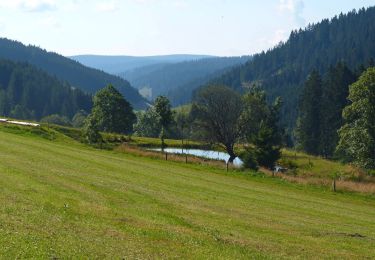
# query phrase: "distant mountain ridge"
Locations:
[[177, 81], [119, 64], [175, 76], [77, 75]]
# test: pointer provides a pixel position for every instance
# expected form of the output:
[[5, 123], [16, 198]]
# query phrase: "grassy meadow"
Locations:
[[62, 199]]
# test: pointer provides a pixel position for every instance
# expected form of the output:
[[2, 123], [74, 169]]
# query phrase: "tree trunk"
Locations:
[[231, 153]]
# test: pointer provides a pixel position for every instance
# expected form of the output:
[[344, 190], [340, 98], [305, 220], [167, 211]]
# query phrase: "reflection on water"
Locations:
[[201, 153]]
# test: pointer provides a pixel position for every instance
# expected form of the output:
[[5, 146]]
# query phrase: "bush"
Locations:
[[249, 160], [287, 163], [371, 173], [90, 131], [57, 120], [79, 118]]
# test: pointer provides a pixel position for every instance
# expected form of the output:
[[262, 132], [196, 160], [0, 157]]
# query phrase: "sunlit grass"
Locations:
[[62, 199]]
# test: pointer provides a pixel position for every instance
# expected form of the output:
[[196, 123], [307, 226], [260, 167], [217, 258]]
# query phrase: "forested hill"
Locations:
[[282, 70], [27, 92], [119, 64], [178, 80], [79, 76]]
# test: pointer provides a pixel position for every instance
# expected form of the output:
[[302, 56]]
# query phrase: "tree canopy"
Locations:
[[357, 136], [217, 110], [163, 109], [112, 112]]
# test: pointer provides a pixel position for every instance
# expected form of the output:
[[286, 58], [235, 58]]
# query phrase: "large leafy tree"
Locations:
[[163, 109], [357, 136], [217, 111], [111, 111], [148, 124]]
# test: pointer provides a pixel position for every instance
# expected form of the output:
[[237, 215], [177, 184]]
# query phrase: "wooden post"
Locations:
[[334, 185], [227, 166], [186, 158], [166, 156]]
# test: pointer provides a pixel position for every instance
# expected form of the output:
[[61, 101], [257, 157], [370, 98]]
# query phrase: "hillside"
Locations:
[[282, 70], [178, 80], [61, 199], [77, 75], [119, 64], [29, 93]]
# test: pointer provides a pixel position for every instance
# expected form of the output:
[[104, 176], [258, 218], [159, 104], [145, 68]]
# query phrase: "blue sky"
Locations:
[[152, 27]]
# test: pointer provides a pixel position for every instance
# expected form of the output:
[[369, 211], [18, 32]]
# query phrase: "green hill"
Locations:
[[61, 199], [282, 70], [87, 79], [27, 92]]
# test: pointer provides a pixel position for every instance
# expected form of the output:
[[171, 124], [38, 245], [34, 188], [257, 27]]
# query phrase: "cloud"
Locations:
[[105, 7], [274, 39], [279, 36], [180, 4], [143, 1], [2, 26], [29, 5], [50, 21], [295, 9]]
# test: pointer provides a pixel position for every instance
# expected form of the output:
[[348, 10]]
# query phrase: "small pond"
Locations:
[[209, 154]]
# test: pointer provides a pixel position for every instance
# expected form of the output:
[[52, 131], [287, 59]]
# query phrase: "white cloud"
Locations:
[[29, 5], [180, 3], [50, 21], [2, 26], [295, 9], [272, 40], [279, 36], [110, 6], [144, 1]]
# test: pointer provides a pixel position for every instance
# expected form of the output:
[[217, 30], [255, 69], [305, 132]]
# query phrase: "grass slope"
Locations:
[[61, 199]]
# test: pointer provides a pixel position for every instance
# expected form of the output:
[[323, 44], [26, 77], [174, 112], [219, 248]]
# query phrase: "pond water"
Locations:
[[209, 154]]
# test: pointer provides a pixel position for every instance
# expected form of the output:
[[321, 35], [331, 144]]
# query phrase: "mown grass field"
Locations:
[[62, 199]]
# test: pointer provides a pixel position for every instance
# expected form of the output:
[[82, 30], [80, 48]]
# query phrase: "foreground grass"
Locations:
[[61, 199]]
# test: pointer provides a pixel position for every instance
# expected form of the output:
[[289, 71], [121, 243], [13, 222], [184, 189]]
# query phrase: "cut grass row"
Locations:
[[61, 199]]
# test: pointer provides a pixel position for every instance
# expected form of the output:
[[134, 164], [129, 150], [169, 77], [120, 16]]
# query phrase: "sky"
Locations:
[[158, 27]]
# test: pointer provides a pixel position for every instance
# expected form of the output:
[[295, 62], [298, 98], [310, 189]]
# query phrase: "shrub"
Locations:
[[56, 119], [249, 159]]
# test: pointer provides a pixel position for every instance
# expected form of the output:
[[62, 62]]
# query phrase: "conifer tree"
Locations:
[[308, 125], [334, 99]]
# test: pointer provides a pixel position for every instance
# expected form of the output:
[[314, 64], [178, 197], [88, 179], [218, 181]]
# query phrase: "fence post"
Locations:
[[166, 156], [334, 185], [186, 158], [227, 166]]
